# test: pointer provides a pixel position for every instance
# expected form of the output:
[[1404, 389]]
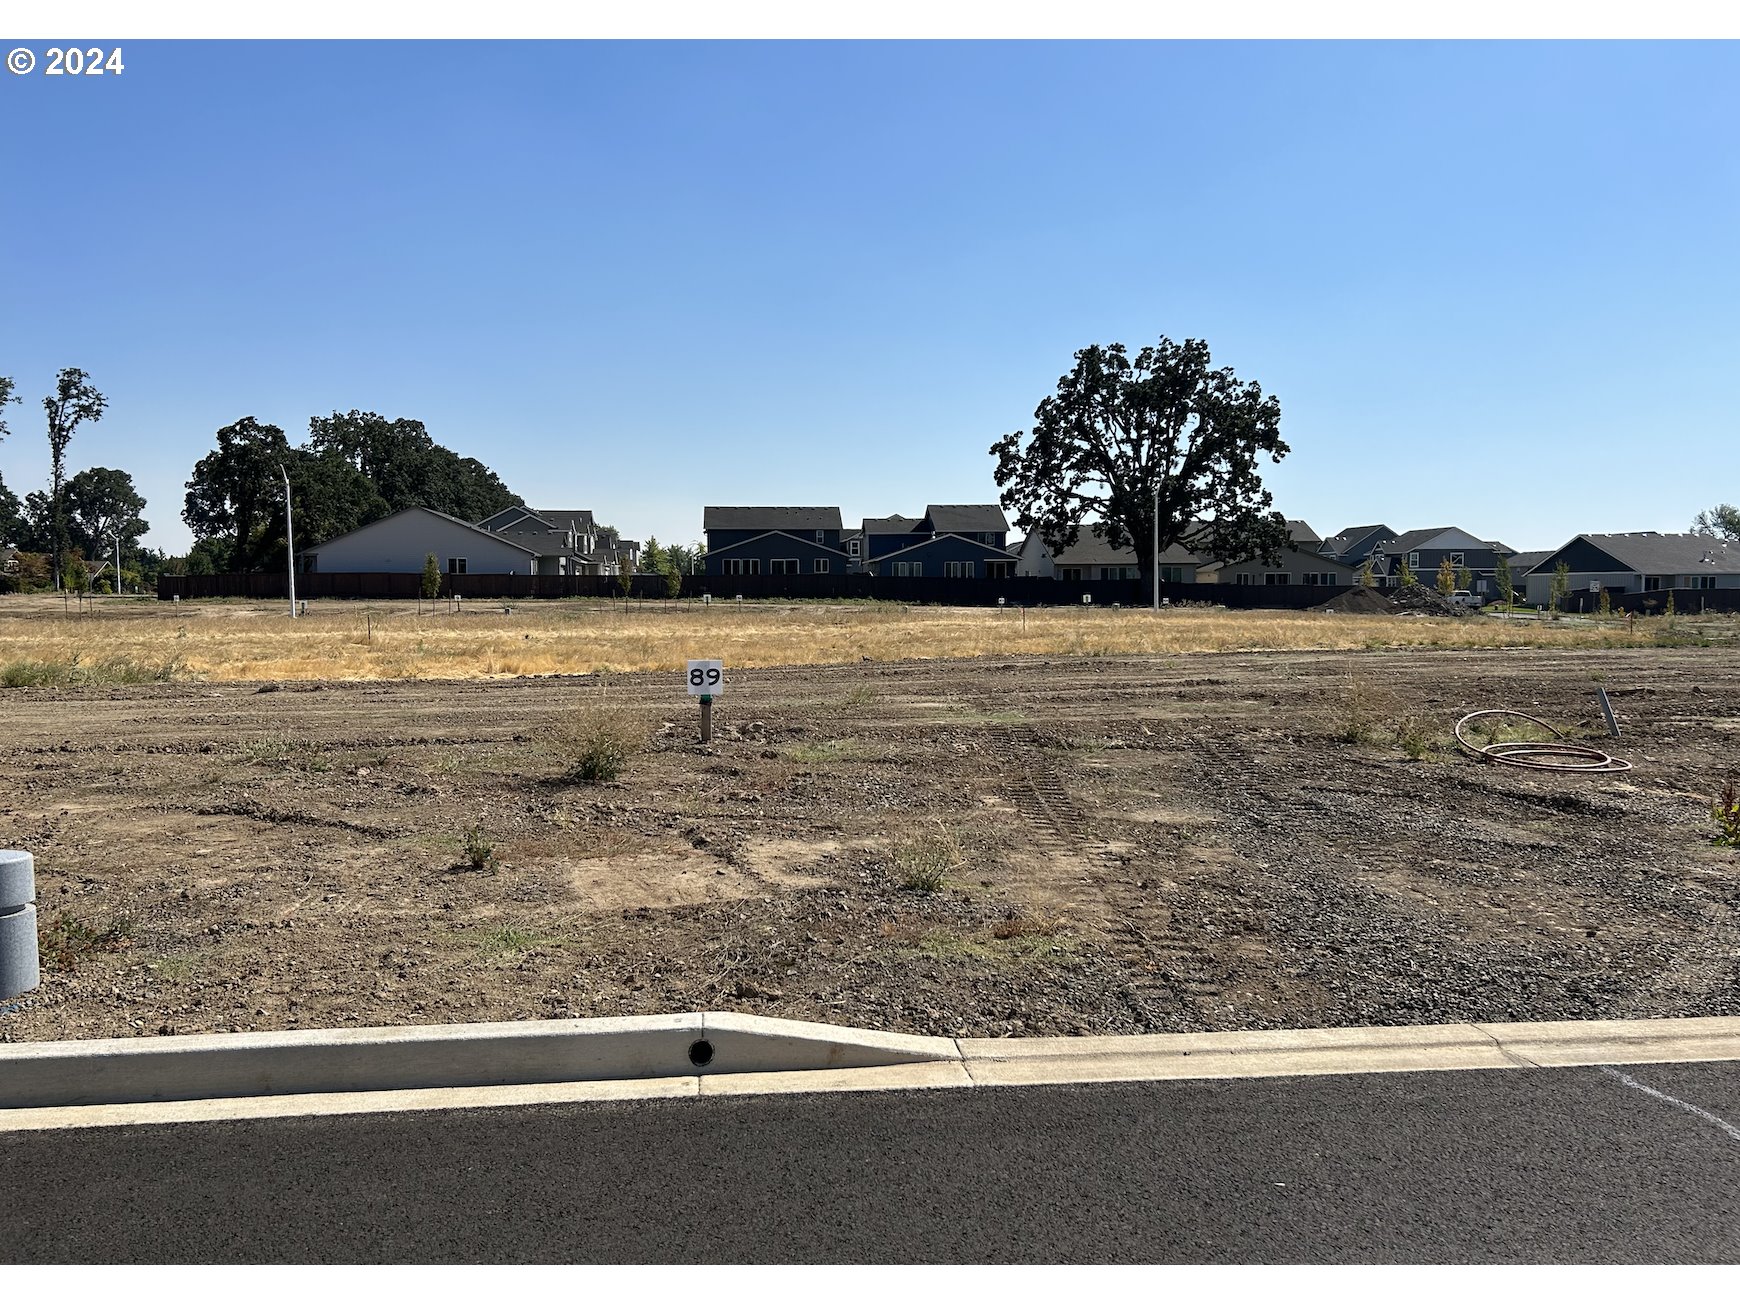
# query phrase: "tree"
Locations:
[[7, 395], [1404, 572], [1723, 520], [652, 556], [75, 574], [1122, 440], [11, 515], [1446, 582], [1561, 585], [683, 557], [1502, 578], [74, 401], [408, 468], [103, 504], [230, 494], [431, 576], [1464, 579]]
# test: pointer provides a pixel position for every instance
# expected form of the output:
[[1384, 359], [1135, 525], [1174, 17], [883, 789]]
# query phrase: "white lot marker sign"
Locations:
[[706, 680]]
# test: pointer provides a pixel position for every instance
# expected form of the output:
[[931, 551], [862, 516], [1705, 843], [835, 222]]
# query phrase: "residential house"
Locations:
[[952, 540], [1641, 562], [852, 543], [774, 541], [403, 541], [1355, 545], [1520, 565], [1426, 550], [1296, 564], [1092, 558], [1304, 536], [567, 540]]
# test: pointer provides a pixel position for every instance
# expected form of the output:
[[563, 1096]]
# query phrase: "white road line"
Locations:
[[1699, 1111]]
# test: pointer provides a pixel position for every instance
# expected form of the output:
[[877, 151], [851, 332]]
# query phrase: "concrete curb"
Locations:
[[351, 1071], [119, 1071]]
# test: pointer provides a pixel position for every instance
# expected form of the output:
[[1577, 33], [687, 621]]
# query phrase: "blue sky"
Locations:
[[1493, 285]]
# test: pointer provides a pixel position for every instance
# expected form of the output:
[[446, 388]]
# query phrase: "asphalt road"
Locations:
[[1533, 1166]]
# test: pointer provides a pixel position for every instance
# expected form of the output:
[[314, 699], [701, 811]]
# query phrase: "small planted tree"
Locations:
[[431, 576], [1465, 579], [1446, 581], [1604, 603], [1404, 572], [1365, 576], [1502, 578], [1561, 586]]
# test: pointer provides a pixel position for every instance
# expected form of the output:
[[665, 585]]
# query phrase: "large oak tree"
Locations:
[[1123, 436]]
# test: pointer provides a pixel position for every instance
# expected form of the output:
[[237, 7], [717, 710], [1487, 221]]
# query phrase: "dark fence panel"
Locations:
[[1017, 591], [1687, 602]]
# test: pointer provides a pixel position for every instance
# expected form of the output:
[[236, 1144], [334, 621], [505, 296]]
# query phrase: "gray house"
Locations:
[[774, 541], [1641, 562], [568, 540], [1092, 558], [401, 542], [1297, 564]]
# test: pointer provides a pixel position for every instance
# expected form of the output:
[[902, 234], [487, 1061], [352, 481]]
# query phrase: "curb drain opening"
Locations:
[[700, 1052]]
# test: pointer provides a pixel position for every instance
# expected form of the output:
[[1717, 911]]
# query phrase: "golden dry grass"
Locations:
[[256, 641]]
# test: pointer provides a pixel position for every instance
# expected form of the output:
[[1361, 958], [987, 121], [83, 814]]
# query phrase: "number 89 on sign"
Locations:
[[706, 679]]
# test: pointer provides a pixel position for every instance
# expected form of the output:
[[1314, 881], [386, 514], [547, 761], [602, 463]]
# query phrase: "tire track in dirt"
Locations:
[[1172, 970]]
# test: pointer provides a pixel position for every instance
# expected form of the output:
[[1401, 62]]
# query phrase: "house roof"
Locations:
[[770, 518], [894, 525], [1091, 549], [476, 530], [801, 539], [1300, 551], [850, 534], [1302, 532], [562, 517], [1523, 563], [1351, 538], [940, 541], [966, 518], [1650, 552]]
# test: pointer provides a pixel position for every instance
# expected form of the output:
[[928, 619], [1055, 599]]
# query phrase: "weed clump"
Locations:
[[66, 940], [32, 673], [1725, 811], [924, 861], [479, 851], [598, 739]]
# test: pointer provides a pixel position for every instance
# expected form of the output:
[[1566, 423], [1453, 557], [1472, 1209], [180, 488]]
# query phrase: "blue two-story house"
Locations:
[[951, 540], [774, 541]]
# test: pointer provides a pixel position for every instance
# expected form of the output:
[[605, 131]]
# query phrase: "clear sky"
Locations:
[[1495, 286]]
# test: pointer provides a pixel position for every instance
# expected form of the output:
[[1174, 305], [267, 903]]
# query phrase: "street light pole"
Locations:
[[289, 541], [1156, 548]]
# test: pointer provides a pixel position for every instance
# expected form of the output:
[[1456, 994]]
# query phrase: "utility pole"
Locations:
[[289, 541]]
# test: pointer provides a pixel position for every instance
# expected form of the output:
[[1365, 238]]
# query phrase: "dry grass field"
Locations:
[[136, 641]]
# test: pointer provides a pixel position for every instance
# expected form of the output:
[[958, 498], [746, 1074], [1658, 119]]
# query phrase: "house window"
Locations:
[[819, 536], [852, 547], [743, 566], [909, 568], [1413, 561], [1277, 578], [819, 566], [1456, 560], [783, 566], [1700, 582], [999, 570], [1242, 578], [1070, 573], [311, 562], [1651, 583], [1172, 574], [958, 570], [456, 566], [1319, 578]]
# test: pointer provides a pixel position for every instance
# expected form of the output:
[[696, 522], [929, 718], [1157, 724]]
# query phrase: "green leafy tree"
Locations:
[[1446, 579], [431, 576], [36, 526], [75, 575], [1464, 578], [408, 468], [1122, 439], [8, 394], [103, 504], [1560, 589], [74, 402], [1502, 578], [1723, 521], [652, 556], [1404, 572], [231, 493], [11, 516]]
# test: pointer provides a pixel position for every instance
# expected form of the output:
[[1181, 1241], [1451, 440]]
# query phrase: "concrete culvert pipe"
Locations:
[[20, 966]]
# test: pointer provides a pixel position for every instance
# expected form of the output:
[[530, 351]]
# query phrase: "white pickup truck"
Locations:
[[1464, 598]]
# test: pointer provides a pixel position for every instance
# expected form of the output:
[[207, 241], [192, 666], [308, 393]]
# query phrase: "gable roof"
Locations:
[[563, 517], [766, 534], [1649, 552], [431, 512], [1302, 533], [1522, 563], [894, 525], [1355, 537], [937, 541], [966, 518], [770, 518], [1091, 549]]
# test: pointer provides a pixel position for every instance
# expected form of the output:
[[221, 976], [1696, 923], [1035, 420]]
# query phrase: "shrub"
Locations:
[[66, 940], [1725, 811], [1412, 736], [598, 739], [925, 860], [479, 851]]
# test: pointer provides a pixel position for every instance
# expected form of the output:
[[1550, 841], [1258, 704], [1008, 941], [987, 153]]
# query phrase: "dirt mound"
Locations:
[[1362, 600], [1420, 598]]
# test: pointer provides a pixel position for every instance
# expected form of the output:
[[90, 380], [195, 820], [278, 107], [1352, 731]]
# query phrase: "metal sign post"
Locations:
[[706, 680]]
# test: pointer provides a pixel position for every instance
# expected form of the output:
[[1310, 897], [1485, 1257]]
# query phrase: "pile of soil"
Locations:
[[1425, 600], [1363, 600]]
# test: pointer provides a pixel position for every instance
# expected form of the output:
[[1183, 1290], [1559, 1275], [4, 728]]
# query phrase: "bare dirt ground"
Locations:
[[1128, 844]]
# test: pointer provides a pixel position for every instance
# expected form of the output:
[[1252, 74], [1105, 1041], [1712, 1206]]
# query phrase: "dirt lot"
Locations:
[[1127, 844]]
